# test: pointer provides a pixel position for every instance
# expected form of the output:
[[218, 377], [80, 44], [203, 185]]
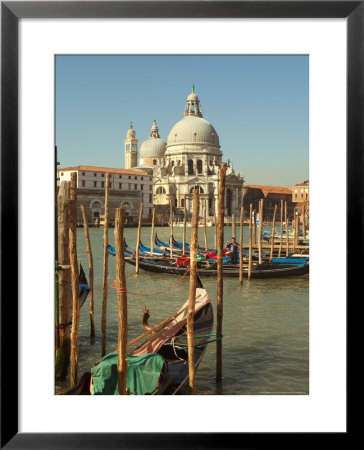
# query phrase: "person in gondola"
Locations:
[[233, 250]]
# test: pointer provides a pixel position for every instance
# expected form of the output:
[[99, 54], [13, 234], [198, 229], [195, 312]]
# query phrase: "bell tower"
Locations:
[[130, 149]]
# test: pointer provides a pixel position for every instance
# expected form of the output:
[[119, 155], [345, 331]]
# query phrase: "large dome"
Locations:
[[192, 130]]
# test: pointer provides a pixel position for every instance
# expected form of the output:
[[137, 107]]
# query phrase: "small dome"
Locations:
[[192, 96], [152, 148], [192, 129]]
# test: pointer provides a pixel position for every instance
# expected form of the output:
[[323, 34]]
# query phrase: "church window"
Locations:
[[190, 167], [199, 188], [182, 202], [199, 166], [126, 205], [154, 162], [160, 190]]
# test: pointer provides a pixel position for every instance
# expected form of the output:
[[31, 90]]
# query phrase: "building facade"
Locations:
[[128, 189], [301, 193], [189, 159], [272, 195]]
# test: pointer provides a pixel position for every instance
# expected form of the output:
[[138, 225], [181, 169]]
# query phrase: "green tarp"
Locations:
[[142, 374]]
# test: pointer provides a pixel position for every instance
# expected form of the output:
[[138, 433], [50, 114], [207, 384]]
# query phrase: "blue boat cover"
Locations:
[[299, 261]]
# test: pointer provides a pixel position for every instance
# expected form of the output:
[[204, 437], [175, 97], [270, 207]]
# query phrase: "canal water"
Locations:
[[265, 322]]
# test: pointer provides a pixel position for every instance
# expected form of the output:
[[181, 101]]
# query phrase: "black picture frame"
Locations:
[[11, 12]]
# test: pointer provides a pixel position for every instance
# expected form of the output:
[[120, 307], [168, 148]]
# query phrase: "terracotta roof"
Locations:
[[270, 189], [104, 170]]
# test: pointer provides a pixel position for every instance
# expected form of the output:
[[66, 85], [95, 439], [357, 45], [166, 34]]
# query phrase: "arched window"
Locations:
[[199, 188], [160, 190], [182, 202], [199, 166], [96, 205], [125, 205], [190, 167]]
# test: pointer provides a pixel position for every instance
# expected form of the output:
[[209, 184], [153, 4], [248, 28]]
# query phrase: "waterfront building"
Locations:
[[301, 193], [128, 189], [189, 159], [272, 195]]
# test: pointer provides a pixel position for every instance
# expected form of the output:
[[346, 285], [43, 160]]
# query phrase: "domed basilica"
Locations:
[[190, 159]]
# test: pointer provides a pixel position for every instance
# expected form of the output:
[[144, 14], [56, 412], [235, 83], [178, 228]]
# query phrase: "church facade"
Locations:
[[189, 159]]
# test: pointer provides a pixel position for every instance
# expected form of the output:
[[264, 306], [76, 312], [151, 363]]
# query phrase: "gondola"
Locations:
[[143, 251], [84, 287], [166, 245], [263, 270], [159, 366]]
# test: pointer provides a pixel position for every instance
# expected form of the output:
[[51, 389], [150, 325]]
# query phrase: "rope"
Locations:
[[205, 343], [144, 294]]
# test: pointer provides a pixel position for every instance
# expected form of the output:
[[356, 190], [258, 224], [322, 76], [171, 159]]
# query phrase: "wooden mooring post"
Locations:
[[241, 239], [171, 228], [138, 238], [192, 290], [281, 236], [260, 231], [220, 279], [90, 273], [152, 233], [184, 226], [63, 328], [106, 268], [250, 242], [254, 227], [122, 300], [304, 220], [233, 226], [273, 232], [286, 220], [216, 231], [205, 223], [75, 307]]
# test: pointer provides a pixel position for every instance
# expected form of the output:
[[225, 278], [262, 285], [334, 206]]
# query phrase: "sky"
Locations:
[[258, 104]]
